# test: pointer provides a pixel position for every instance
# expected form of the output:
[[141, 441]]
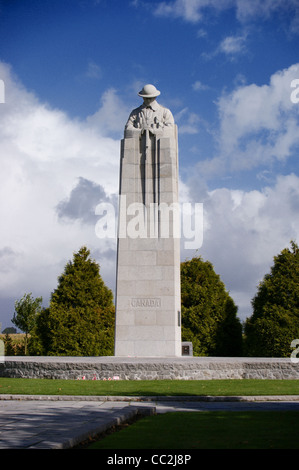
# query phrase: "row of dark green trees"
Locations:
[[81, 315]]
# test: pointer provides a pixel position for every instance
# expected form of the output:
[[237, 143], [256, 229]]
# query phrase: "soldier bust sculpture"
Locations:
[[150, 115]]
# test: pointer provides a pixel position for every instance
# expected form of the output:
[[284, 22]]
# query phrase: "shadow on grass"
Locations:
[[208, 430]]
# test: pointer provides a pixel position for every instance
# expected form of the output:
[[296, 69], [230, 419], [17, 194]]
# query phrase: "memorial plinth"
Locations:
[[132, 368]]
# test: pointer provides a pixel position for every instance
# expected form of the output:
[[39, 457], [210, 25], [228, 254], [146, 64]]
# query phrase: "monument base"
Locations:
[[132, 368]]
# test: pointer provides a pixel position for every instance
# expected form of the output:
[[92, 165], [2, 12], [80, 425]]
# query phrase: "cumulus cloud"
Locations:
[[243, 230], [50, 163], [111, 115], [55, 170], [199, 86], [193, 10], [246, 11], [188, 122], [259, 125], [94, 71], [82, 202], [232, 45], [190, 10]]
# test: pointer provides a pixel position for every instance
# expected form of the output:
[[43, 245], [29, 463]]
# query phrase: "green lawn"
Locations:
[[208, 430], [149, 387], [189, 430]]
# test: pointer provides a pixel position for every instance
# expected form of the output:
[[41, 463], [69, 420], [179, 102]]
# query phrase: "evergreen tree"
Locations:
[[275, 319], [80, 318], [9, 330], [209, 315], [40, 339], [9, 349], [26, 312]]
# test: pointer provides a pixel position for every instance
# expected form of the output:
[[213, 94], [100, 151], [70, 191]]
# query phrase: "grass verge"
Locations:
[[208, 430], [149, 387]]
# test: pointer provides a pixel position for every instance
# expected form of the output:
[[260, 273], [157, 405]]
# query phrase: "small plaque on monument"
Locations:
[[187, 348]]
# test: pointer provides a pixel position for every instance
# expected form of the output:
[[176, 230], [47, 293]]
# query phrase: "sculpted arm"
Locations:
[[168, 120], [133, 125]]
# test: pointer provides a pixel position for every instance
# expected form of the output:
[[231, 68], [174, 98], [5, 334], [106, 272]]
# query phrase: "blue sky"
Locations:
[[72, 70]]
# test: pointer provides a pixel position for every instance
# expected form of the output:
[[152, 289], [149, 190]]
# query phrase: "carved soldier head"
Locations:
[[149, 93]]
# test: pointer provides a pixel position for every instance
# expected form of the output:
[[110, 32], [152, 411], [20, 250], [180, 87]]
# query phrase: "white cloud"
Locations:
[[199, 86], [193, 10], [50, 161], [189, 10], [244, 230], [232, 45], [188, 122], [259, 125], [111, 116], [44, 154], [246, 11], [93, 70]]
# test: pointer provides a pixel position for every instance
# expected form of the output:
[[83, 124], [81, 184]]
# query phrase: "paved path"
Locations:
[[48, 423], [42, 424]]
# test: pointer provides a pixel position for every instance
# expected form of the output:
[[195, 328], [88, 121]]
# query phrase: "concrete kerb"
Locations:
[[90, 431], [177, 398], [55, 432]]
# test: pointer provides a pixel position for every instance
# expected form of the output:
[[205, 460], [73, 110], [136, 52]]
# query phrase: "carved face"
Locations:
[[148, 101]]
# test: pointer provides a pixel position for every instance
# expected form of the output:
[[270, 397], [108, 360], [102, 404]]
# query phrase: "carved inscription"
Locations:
[[146, 303]]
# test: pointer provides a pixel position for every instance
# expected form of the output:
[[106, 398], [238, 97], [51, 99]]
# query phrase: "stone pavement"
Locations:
[[30, 422], [43, 424]]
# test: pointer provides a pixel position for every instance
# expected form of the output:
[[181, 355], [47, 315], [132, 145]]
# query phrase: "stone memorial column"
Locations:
[[148, 299]]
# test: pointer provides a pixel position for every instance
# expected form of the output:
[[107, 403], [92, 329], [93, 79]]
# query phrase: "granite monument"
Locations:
[[148, 300]]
